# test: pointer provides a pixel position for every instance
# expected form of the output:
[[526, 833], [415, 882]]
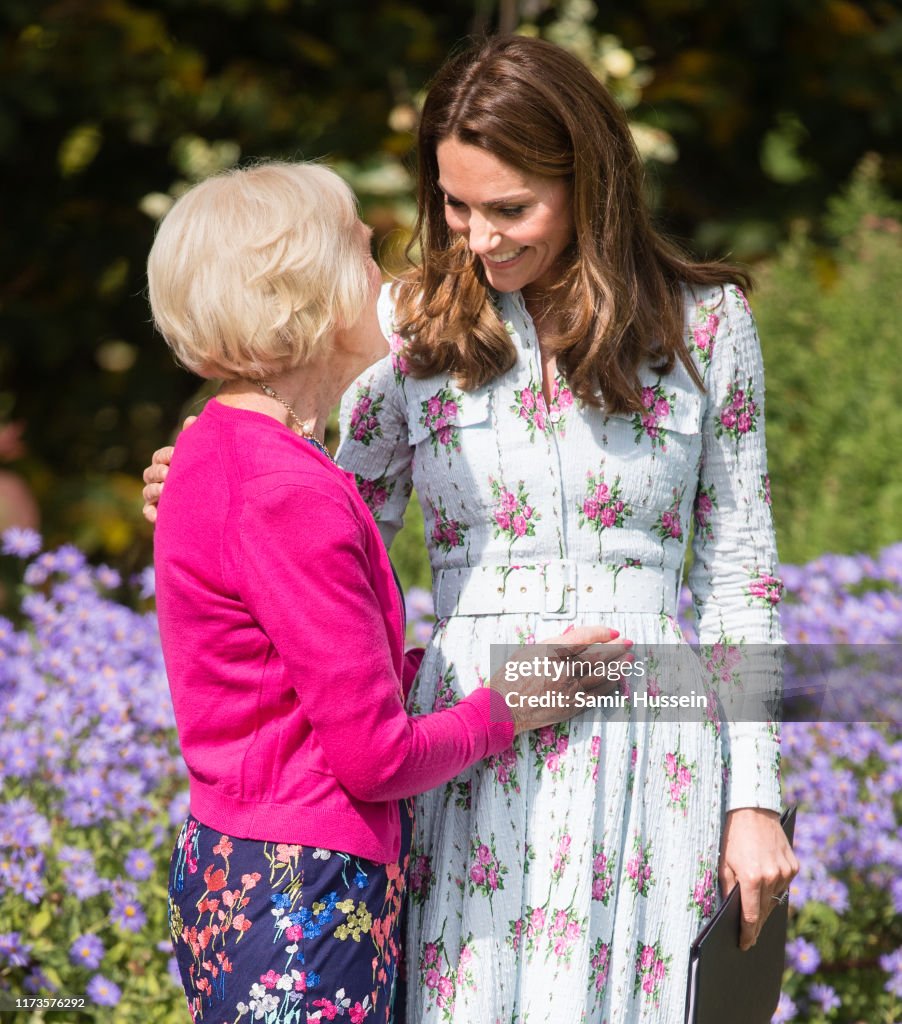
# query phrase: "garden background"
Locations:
[[772, 132]]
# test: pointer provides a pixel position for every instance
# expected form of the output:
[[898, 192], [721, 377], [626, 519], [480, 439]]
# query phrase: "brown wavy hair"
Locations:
[[619, 296]]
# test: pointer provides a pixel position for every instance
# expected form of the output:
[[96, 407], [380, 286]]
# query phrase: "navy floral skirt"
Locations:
[[286, 934]]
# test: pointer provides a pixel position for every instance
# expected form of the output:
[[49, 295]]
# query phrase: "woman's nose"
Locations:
[[483, 237]]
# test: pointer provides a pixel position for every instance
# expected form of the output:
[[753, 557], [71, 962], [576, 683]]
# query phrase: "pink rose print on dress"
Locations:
[[602, 874], [668, 525], [599, 963], [465, 977], [399, 364], [741, 301], [703, 898], [364, 424], [679, 773], [561, 856], [658, 405], [513, 516], [526, 932], [602, 508], [438, 978], [530, 406], [565, 929], [439, 415], [594, 755], [445, 694], [638, 867], [447, 533], [764, 489], [550, 748], [705, 504], [764, 589], [485, 873], [738, 415], [704, 331], [421, 878], [375, 493], [504, 765], [651, 970]]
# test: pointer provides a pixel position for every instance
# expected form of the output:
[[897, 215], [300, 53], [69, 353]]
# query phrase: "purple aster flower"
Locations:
[[892, 964], [24, 877], [172, 969], [786, 1010], [825, 997], [67, 559], [802, 956], [87, 951], [13, 950], [76, 856], [146, 582], [139, 864], [21, 542], [127, 914], [36, 574], [37, 981], [107, 578], [178, 808], [103, 992], [84, 882]]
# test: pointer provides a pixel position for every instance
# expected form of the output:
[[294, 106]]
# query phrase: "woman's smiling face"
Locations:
[[517, 224]]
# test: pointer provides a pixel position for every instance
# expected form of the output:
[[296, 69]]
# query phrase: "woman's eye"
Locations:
[[511, 211], [455, 204]]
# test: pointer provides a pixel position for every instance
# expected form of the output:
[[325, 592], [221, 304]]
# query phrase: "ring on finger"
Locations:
[[782, 898]]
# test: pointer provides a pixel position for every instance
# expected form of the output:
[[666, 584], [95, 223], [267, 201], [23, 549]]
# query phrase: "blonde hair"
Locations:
[[252, 270]]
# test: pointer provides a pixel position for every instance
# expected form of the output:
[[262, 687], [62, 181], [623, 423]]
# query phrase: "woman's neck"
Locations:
[[301, 399]]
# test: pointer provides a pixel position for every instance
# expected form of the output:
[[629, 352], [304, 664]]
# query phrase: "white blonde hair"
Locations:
[[253, 269]]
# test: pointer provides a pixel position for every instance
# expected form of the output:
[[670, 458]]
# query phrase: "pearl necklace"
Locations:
[[296, 425]]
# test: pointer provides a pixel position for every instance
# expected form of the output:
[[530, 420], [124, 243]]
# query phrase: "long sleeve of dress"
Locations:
[[733, 576], [375, 444]]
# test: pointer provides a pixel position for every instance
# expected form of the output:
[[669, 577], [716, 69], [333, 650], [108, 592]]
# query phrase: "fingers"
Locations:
[[151, 495], [582, 636], [188, 421], [761, 895], [159, 465], [758, 901]]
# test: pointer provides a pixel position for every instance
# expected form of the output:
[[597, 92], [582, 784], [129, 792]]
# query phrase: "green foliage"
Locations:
[[828, 313]]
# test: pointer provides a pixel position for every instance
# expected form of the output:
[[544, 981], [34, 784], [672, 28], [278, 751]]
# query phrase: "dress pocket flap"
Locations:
[[447, 409]]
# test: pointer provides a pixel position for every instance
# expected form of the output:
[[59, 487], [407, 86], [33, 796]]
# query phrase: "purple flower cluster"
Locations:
[[89, 765]]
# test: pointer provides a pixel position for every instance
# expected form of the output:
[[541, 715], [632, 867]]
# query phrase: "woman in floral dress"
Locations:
[[571, 398]]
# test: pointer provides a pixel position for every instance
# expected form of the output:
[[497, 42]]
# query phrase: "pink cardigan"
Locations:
[[282, 632]]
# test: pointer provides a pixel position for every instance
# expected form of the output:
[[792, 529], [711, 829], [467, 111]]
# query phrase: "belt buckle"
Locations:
[[559, 578]]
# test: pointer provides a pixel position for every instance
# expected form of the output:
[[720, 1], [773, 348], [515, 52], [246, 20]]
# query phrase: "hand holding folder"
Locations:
[[727, 984]]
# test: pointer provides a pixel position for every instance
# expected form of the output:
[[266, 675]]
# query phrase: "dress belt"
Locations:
[[558, 589]]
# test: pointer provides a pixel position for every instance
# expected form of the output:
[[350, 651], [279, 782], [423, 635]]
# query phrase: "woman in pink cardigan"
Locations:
[[281, 620]]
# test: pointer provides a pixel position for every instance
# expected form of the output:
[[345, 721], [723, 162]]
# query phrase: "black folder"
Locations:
[[727, 984]]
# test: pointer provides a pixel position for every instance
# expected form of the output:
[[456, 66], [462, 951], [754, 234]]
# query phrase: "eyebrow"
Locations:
[[517, 199]]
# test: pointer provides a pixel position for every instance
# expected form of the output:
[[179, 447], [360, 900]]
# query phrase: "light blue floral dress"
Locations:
[[564, 879]]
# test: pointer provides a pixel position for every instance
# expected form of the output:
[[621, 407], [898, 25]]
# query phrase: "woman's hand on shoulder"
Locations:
[[155, 475], [540, 682], [756, 856]]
